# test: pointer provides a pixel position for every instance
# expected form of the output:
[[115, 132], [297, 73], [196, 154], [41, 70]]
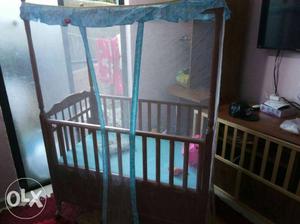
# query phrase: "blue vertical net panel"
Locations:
[[128, 66]]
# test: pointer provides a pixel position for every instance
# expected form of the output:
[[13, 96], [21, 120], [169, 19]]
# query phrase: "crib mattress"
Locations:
[[151, 159]]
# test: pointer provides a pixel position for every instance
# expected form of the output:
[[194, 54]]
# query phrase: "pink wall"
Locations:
[[257, 75]]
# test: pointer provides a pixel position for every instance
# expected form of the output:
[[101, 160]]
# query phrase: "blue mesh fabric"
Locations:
[[121, 15]]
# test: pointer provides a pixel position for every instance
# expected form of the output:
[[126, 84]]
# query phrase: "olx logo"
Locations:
[[14, 198]]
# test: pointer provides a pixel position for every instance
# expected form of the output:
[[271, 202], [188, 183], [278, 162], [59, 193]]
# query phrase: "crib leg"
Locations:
[[58, 213]]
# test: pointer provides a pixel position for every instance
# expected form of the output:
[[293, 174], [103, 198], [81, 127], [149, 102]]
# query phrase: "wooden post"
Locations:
[[218, 28], [48, 140]]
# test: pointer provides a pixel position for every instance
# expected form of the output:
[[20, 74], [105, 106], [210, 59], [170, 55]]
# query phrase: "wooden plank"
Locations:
[[126, 131], [61, 143], [195, 95], [185, 165], [178, 119], [171, 164], [149, 117], [119, 145], [145, 165], [198, 121], [265, 159], [96, 150], [200, 169], [81, 110], [244, 144], [233, 145], [158, 117], [298, 189], [113, 112], [140, 116], [189, 122], [108, 152], [122, 113], [84, 148], [276, 164], [157, 154], [105, 109], [253, 154], [65, 132], [168, 118], [289, 169], [73, 145], [260, 179], [224, 141]]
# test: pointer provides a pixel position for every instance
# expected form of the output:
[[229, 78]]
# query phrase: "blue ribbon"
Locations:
[[102, 123], [133, 115]]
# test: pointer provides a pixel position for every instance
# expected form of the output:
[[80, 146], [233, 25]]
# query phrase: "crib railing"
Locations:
[[266, 159], [153, 115], [62, 144]]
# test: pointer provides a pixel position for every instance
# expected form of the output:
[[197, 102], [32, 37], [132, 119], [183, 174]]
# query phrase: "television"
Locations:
[[280, 25]]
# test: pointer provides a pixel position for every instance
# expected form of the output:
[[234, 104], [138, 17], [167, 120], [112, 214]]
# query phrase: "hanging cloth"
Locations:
[[133, 118], [99, 105]]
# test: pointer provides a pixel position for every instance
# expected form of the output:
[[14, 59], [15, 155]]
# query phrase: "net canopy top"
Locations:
[[106, 16]]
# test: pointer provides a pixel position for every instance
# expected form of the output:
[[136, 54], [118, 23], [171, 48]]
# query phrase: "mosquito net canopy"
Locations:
[[148, 69]]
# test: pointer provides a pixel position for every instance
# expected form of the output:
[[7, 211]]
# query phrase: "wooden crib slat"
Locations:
[[233, 145], [276, 164], [200, 170], [122, 113], [158, 117], [145, 165], [65, 132], [114, 112], [253, 154], [289, 169], [224, 141], [72, 138], [149, 117], [140, 116], [81, 111], [76, 119], [189, 121], [198, 121], [52, 130], [168, 118], [244, 143], [157, 154], [265, 159], [70, 114], [171, 164], [178, 119], [83, 143], [185, 165], [61, 143], [119, 145], [298, 189], [96, 150], [108, 152], [104, 99]]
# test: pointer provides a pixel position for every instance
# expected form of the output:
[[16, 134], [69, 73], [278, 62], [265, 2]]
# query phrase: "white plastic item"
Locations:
[[292, 126]]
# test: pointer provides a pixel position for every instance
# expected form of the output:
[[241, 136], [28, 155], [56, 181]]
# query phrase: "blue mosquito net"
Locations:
[[129, 57]]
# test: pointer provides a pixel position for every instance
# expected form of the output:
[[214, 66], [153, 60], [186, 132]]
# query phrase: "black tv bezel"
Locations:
[[262, 29]]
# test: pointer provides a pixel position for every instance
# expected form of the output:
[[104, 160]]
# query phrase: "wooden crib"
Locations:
[[72, 120]]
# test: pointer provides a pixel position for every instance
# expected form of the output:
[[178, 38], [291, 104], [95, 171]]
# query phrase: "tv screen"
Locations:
[[280, 25]]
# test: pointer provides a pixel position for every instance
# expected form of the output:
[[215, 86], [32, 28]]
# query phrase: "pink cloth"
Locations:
[[109, 64], [193, 152]]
